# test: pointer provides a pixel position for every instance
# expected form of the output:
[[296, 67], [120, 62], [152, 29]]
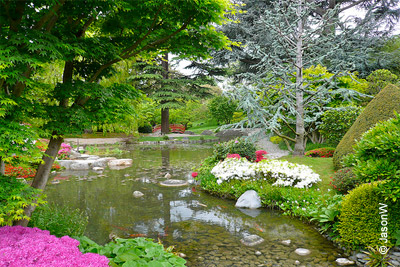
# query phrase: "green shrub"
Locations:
[[360, 221], [344, 180], [133, 252], [14, 197], [379, 109], [165, 137], [336, 122], [276, 139], [377, 156], [239, 146], [60, 221], [323, 152], [378, 79], [145, 129], [222, 109]]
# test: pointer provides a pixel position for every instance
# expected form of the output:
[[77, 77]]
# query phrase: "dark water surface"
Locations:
[[207, 229]]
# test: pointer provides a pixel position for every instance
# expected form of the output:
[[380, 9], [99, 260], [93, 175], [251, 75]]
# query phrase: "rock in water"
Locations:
[[249, 199], [302, 251], [138, 194], [251, 240], [168, 176], [344, 262]]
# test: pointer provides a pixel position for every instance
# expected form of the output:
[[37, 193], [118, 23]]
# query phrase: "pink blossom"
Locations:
[[260, 155], [194, 174], [24, 246], [233, 156]]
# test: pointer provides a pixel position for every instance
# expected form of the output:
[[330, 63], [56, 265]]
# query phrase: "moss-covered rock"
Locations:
[[381, 108]]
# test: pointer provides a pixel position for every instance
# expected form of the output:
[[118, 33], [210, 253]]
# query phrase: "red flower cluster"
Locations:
[[260, 155], [194, 174], [19, 171], [324, 152]]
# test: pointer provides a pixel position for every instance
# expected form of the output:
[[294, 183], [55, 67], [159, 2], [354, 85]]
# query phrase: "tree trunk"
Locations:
[[299, 146], [165, 120], [43, 172], [2, 167], [165, 111]]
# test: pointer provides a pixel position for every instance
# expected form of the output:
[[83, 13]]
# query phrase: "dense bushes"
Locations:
[[360, 221], [379, 109], [59, 220], [14, 197], [222, 109], [239, 146], [146, 128], [336, 122], [344, 180], [377, 157]]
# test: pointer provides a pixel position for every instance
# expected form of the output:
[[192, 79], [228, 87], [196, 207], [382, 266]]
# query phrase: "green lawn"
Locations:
[[200, 126], [322, 166]]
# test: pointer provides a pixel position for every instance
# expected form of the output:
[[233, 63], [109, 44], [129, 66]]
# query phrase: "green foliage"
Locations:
[[344, 180], [336, 122], [323, 152], [375, 258], [379, 109], [190, 112], [133, 252], [14, 197], [361, 217], [146, 128], [241, 146], [222, 109], [376, 157], [379, 79], [276, 139], [59, 220]]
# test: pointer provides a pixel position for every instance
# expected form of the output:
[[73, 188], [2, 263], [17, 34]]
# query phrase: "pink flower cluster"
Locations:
[[63, 153], [24, 246]]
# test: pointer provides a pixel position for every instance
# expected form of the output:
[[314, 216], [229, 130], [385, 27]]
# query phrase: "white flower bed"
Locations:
[[285, 173]]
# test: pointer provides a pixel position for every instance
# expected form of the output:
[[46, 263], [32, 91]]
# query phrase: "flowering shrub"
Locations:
[[194, 174], [323, 152], [239, 146], [260, 155], [233, 168], [233, 156], [19, 171], [24, 246], [63, 153], [344, 180], [280, 173]]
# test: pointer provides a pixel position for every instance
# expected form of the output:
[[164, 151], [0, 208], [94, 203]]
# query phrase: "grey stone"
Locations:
[[249, 199], [286, 242], [81, 165], [168, 176], [258, 253], [394, 263], [252, 240], [137, 194], [302, 251], [231, 133], [98, 169], [251, 212], [190, 132], [173, 182], [120, 162], [207, 132], [344, 261]]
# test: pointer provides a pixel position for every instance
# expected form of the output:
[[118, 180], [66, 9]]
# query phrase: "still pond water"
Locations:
[[207, 229]]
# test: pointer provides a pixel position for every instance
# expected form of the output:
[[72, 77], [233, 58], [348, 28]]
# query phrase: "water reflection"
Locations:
[[198, 224]]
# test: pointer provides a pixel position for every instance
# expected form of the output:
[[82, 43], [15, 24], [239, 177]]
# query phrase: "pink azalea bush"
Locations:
[[260, 155], [233, 156], [24, 246], [63, 153]]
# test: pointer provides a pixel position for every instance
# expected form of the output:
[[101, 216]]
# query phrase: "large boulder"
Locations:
[[120, 162], [381, 108], [249, 199], [231, 133]]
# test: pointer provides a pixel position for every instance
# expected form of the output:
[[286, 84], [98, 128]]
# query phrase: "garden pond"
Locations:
[[205, 228]]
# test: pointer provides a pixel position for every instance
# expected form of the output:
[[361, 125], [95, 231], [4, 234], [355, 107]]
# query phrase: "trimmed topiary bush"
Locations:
[[145, 129], [344, 180], [323, 152], [381, 108], [363, 215]]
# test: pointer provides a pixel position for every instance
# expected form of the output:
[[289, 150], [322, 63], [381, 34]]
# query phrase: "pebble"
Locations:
[[137, 194], [344, 261], [286, 242], [258, 253], [302, 251]]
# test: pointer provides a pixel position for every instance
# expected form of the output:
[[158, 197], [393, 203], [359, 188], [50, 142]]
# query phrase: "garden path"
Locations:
[[263, 142]]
